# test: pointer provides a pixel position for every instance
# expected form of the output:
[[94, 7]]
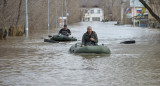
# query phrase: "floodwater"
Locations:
[[31, 62]]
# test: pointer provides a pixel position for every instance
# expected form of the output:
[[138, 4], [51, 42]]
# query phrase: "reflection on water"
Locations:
[[31, 62], [91, 56]]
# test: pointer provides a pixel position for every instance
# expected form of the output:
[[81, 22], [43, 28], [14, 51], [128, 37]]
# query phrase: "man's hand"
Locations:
[[68, 34], [92, 39], [82, 45]]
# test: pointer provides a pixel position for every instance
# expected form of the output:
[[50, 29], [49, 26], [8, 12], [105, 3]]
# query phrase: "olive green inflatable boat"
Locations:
[[98, 49], [60, 37]]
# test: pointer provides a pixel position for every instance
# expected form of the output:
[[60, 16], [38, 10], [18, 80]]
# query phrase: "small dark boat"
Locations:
[[128, 42]]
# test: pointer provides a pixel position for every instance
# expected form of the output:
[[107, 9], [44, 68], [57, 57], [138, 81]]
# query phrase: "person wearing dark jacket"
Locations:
[[65, 31], [89, 38]]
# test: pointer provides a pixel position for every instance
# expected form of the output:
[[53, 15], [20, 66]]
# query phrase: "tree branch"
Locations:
[[150, 10]]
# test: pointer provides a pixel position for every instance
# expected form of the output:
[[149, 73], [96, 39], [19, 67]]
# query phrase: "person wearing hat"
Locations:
[[65, 31]]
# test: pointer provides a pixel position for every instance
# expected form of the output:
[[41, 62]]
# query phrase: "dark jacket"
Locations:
[[86, 39], [64, 32]]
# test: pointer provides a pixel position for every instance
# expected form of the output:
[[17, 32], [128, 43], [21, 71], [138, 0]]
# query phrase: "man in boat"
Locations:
[[89, 38], [65, 31]]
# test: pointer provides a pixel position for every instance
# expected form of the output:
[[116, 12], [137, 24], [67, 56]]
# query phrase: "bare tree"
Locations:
[[12, 12], [150, 10]]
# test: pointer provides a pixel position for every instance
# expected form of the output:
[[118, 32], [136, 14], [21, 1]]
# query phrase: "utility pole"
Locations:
[[62, 13], [103, 13], [26, 18], [122, 10], [66, 11], [56, 11], [133, 13], [48, 17]]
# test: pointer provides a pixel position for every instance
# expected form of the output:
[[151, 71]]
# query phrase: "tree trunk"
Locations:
[[150, 10]]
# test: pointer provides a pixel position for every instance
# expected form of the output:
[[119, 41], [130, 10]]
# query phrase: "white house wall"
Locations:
[[95, 14]]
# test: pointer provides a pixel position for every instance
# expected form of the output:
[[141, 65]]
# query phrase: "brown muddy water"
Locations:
[[31, 62]]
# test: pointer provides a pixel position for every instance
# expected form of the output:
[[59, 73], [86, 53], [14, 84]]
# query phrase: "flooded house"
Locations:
[[94, 14]]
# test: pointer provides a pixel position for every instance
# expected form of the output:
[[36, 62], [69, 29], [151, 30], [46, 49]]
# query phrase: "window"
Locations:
[[92, 11], [95, 18], [99, 11]]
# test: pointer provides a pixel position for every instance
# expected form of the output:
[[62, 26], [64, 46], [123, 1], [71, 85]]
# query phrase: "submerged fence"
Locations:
[[11, 31]]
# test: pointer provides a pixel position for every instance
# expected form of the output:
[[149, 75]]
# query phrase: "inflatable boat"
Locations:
[[98, 49], [50, 41], [60, 37]]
